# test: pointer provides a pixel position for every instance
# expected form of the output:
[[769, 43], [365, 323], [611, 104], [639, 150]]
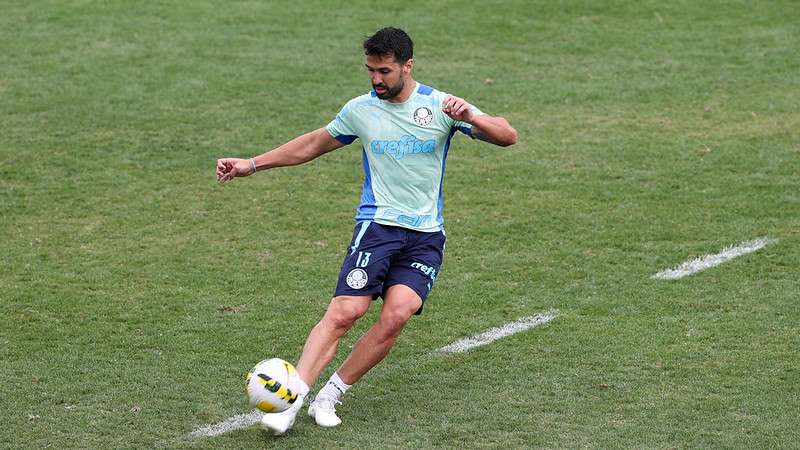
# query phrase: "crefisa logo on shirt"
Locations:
[[406, 145], [423, 116]]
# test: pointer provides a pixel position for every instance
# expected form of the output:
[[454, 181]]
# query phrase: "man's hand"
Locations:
[[229, 168], [458, 109]]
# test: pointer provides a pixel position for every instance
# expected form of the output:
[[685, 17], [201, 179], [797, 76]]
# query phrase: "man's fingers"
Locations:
[[454, 106], [225, 171], [447, 103], [223, 167]]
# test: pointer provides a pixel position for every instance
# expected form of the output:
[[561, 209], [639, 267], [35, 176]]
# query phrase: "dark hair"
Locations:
[[390, 41]]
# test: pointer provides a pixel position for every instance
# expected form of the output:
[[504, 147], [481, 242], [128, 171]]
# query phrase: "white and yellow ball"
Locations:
[[272, 385]]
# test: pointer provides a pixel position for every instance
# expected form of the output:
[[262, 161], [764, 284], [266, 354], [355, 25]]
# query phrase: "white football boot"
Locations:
[[280, 423], [323, 411]]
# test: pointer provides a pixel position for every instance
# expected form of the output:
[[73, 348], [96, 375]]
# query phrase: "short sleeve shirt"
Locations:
[[404, 149]]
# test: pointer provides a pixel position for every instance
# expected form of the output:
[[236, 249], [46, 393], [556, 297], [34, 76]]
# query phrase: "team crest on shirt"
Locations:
[[357, 278], [423, 116]]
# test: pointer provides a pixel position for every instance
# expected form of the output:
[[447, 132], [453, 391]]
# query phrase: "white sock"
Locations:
[[302, 387], [334, 388]]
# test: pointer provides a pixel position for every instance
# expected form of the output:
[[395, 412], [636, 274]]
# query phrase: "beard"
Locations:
[[391, 92]]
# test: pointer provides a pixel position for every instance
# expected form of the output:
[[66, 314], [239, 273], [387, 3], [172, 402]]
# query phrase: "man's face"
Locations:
[[387, 75]]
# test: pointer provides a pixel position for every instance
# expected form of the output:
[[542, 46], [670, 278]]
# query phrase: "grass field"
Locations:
[[136, 292]]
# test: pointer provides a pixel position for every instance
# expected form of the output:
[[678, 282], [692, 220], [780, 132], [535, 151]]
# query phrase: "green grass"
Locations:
[[650, 133]]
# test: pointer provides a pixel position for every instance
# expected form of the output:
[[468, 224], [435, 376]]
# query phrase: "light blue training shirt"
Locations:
[[404, 148]]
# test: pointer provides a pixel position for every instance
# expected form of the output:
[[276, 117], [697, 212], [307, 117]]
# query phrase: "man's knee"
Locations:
[[392, 322], [400, 304], [343, 312]]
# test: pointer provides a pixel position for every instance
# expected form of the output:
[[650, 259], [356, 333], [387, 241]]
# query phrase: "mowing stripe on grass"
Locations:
[[708, 261], [232, 424], [245, 420], [500, 332]]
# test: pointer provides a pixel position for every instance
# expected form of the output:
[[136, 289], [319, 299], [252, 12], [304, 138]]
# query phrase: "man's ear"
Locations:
[[408, 65]]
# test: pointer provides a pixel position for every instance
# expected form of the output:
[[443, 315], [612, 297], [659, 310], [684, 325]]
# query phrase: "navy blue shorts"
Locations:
[[381, 256]]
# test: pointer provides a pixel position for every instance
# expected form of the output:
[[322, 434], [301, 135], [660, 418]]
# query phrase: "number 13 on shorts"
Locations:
[[363, 259]]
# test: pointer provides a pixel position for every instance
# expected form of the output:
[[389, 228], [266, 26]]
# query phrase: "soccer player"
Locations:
[[405, 129]]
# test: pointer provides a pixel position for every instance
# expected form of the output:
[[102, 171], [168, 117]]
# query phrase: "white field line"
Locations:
[[232, 424], [708, 261], [500, 332]]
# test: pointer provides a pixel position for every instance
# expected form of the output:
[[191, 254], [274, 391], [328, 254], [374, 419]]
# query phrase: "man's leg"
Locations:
[[323, 339], [399, 304], [320, 347]]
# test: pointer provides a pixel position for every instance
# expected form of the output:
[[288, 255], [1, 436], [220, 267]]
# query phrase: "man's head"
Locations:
[[390, 58]]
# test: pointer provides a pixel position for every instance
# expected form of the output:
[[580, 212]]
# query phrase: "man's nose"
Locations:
[[376, 79]]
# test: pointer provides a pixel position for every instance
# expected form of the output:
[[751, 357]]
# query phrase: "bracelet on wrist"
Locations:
[[253, 165]]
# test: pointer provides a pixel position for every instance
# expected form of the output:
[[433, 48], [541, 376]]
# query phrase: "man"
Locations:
[[405, 130]]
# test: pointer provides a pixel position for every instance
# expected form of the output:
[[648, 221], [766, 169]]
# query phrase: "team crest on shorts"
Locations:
[[423, 116], [357, 278]]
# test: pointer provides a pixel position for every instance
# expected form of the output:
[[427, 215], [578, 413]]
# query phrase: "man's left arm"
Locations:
[[493, 129]]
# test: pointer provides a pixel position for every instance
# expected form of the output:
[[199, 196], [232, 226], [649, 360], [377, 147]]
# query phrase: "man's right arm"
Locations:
[[299, 150]]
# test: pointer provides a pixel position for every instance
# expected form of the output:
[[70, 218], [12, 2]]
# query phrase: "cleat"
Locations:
[[280, 423], [323, 411]]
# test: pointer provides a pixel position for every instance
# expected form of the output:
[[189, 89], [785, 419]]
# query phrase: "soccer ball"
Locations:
[[271, 385]]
